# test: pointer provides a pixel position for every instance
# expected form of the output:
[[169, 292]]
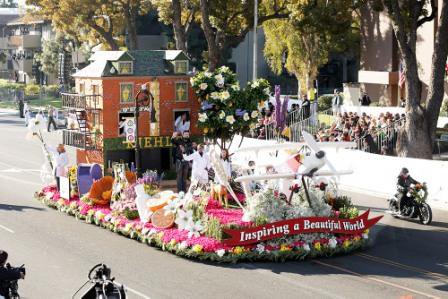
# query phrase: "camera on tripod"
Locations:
[[13, 285], [102, 285]]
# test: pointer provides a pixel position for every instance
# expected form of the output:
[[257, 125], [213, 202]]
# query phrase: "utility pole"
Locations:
[[254, 71]]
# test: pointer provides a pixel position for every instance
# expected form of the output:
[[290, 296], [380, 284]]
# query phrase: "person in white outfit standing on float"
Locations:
[[201, 164]]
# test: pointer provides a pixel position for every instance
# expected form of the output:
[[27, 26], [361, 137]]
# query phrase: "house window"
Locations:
[[82, 88], [95, 90], [181, 91], [181, 67], [126, 92], [125, 67]]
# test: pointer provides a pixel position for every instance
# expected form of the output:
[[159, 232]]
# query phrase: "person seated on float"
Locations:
[[182, 123], [403, 184]]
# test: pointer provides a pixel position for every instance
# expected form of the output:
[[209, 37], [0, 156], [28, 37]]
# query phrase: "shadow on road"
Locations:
[[19, 122], [18, 208]]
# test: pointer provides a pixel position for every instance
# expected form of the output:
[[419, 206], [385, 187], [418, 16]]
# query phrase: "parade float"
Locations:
[[284, 208]]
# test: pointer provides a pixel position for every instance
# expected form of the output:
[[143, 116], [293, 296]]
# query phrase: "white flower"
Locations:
[[252, 126], [153, 231], [215, 95], [220, 252], [254, 114], [225, 95], [194, 229], [260, 248], [208, 74], [192, 81], [219, 80], [255, 84], [235, 87], [225, 69], [230, 119], [202, 117], [332, 243], [222, 114], [306, 247], [49, 195], [203, 86], [182, 245], [246, 116], [145, 230], [267, 91], [184, 219], [172, 207], [365, 236]]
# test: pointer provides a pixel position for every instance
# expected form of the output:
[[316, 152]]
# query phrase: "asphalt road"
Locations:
[[405, 259]]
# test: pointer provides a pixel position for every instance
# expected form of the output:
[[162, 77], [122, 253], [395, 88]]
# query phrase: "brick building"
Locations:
[[104, 99]]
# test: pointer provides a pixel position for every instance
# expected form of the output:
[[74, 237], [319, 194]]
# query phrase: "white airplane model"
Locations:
[[310, 167]]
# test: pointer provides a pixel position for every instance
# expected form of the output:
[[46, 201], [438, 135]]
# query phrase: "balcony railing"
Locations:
[[81, 102], [82, 140]]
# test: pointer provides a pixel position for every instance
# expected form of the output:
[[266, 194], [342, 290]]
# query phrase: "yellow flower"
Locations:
[[285, 247], [317, 246], [366, 231], [173, 242], [357, 238], [61, 201], [160, 235], [346, 244], [205, 130], [197, 248], [238, 249]]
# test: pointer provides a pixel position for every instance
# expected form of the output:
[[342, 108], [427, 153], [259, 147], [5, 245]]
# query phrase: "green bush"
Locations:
[[32, 89], [444, 108], [51, 90], [324, 102]]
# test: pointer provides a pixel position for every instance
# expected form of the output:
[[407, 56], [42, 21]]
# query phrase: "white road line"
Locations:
[[18, 170], [136, 292], [19, 180], [7, 229]]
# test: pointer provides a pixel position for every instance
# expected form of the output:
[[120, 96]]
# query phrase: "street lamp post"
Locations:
[[140, 101], [255, 49]]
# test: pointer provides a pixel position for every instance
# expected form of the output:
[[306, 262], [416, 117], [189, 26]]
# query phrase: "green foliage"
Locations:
[[313, 30], [324, 102], [348, 212], [226, 110], [48, 58], [32, 89], [213, 228], [444, 108], [130, 214]]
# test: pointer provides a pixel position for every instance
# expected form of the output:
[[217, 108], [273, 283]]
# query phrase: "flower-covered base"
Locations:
[[203, 247]]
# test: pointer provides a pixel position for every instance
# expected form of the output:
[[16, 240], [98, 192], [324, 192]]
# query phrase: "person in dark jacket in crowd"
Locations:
[[6, 275], [404, 183], [306, 105], [181, 145], [365, 99]]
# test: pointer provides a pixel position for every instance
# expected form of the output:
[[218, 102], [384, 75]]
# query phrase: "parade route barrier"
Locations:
[[376, 175]]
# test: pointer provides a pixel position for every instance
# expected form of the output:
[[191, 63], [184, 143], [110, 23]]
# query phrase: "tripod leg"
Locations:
[[306, 192]]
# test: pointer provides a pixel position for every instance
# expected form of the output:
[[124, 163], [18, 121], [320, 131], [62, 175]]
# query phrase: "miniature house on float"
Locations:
[[104, 100]]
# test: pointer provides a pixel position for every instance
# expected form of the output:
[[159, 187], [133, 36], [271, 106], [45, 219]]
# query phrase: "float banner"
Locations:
[[300, 226]]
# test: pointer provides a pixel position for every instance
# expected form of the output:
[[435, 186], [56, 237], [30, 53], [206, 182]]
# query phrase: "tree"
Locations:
[[417, 137], [225, 23], [303, 42], [94, 21], [49, 57]]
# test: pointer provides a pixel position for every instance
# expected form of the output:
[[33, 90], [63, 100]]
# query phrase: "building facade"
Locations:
[[21, 39], [104, 100], [380, 57]]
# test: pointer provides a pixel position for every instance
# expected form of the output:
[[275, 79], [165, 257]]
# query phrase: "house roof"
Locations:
[[145, 62], [26, 19]]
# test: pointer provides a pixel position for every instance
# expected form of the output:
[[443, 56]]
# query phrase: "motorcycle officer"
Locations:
[[6, 275], [404, 183]]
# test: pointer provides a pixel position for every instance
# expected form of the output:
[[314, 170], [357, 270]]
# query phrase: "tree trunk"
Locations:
[[213, 54], [132, 28], [179, 29], [436, 82]]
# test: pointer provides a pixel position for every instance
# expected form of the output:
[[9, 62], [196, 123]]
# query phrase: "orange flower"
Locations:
[[131, 177], [99, 192]]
